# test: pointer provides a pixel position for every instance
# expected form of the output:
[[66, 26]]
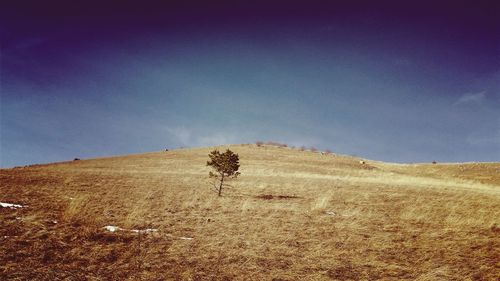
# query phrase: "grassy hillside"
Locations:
[[291, 215]]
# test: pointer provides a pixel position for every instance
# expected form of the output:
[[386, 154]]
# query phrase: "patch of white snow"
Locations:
[[111, 228], [147, 230], [9, 205]]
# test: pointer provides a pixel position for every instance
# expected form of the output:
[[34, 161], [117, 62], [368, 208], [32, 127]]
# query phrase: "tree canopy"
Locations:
[[225, 167]]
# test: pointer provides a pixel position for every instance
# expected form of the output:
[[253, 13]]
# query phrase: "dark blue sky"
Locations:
[[387, 81]]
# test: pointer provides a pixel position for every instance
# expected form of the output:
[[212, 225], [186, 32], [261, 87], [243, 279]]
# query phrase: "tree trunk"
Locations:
[[220, 186]]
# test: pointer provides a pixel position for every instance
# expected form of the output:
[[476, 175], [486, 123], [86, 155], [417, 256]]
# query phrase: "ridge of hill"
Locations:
[[291, 215]]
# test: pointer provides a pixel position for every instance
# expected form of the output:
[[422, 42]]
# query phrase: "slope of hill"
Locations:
[[292, 215]]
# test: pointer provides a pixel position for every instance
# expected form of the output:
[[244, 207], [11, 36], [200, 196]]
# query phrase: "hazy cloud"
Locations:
[[471, 98], [193, 138], [216, 139], [483, 140], [181, 134], [305, 141]]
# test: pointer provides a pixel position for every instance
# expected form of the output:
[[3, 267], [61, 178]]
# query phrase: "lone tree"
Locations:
[[226, 166]]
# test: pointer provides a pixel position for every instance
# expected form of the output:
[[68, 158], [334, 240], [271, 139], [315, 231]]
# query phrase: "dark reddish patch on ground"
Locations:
[[271, 197]]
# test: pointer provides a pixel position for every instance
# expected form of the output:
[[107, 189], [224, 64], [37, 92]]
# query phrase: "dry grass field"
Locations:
[[291, 215]]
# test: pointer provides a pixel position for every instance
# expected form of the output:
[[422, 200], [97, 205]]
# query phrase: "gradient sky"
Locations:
[[385, 81]]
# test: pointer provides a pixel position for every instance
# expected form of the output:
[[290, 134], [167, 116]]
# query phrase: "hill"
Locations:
[[291, 215]]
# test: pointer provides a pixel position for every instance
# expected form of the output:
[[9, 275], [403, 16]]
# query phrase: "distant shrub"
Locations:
[[272, 143], [313, 149], [259, 143], [328, 151], [302, 148]]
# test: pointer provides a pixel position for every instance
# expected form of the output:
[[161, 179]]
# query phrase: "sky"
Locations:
[[407, 82]]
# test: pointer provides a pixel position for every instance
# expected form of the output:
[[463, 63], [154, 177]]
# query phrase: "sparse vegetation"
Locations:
[[226, 167], [277, 144], [271, 143], [294, 216], [270, 197]]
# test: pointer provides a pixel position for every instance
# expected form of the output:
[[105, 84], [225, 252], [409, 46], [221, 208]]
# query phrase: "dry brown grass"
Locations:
[[292, 215]]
